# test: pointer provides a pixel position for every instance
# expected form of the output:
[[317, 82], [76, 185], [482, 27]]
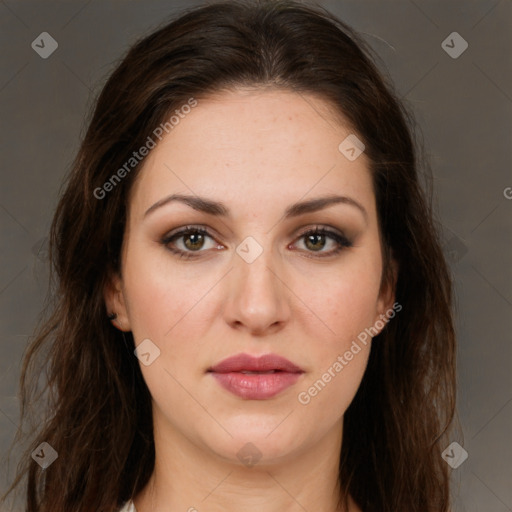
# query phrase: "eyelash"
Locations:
[[341, 240]]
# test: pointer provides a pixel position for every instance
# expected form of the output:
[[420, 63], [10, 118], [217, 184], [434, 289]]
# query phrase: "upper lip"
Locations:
[[246, 362]]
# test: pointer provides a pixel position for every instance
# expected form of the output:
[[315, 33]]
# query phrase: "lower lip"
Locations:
[[256, 386]]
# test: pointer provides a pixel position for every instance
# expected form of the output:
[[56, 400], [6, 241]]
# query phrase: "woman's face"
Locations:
[[254, 167]]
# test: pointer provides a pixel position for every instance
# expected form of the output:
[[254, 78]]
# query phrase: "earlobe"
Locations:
[[386, 301], [115, 303]]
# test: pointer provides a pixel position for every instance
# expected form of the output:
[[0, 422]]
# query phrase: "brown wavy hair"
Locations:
[[96, 408]]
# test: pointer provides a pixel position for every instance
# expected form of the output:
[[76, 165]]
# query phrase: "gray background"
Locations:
[[463, 106]]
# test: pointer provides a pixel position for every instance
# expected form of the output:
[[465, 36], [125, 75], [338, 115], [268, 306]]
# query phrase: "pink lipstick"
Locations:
[[256, 378]]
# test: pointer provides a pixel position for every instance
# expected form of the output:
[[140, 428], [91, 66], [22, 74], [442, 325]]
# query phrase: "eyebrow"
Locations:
[[219, 209]]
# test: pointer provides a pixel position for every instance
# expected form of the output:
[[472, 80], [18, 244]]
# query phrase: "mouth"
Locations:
[[259, 373], [256, 378]]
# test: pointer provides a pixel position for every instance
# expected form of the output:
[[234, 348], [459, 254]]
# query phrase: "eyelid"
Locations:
[[333, 233], [208, 231], [321, 227], [184, 230], [341, 240]]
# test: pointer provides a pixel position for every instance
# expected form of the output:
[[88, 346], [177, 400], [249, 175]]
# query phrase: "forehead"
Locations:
[[254, 144]]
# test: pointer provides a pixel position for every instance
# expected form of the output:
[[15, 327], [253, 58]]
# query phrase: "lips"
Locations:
[[247, 363], [256, 378]]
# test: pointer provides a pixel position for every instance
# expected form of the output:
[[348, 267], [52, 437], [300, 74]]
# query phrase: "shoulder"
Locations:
[[128, 507]]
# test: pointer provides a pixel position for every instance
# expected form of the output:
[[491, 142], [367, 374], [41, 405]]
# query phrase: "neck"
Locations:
[[194, 479]]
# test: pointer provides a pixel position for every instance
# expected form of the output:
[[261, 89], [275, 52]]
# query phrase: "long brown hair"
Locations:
[[96, 412]]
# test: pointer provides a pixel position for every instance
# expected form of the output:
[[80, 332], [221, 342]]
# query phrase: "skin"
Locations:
[[257, 151]]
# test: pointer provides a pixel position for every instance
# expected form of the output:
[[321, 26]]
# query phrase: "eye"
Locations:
[[191, 239], [315, 240]]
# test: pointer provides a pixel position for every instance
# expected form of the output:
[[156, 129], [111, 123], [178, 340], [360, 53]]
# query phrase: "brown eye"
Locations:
[[315, 240], [193, 241], [188, 241]]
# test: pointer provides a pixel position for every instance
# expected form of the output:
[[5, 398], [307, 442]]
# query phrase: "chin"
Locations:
[[254, 443]]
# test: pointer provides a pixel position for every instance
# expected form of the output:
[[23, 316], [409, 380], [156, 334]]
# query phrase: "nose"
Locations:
[[257, 296]]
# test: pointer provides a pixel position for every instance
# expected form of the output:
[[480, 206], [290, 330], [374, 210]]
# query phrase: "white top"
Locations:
[[128, 507]]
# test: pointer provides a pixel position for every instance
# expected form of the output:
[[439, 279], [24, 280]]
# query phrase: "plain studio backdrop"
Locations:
[[451, 62]]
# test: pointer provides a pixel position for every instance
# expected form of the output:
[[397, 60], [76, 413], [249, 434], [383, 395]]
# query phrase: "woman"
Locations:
[[253, 310]]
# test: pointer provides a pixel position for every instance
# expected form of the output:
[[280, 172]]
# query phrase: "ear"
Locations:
[[116, 303], [386, 299]]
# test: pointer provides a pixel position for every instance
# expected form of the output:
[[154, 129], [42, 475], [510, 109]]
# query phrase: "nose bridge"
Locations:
[[258, 297], [255, 264]]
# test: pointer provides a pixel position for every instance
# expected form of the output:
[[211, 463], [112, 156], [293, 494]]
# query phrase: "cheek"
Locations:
[[160, 297], [328, 394], [347, 300], [164, 305], [347, 305], [339, 361], [173, 309]]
